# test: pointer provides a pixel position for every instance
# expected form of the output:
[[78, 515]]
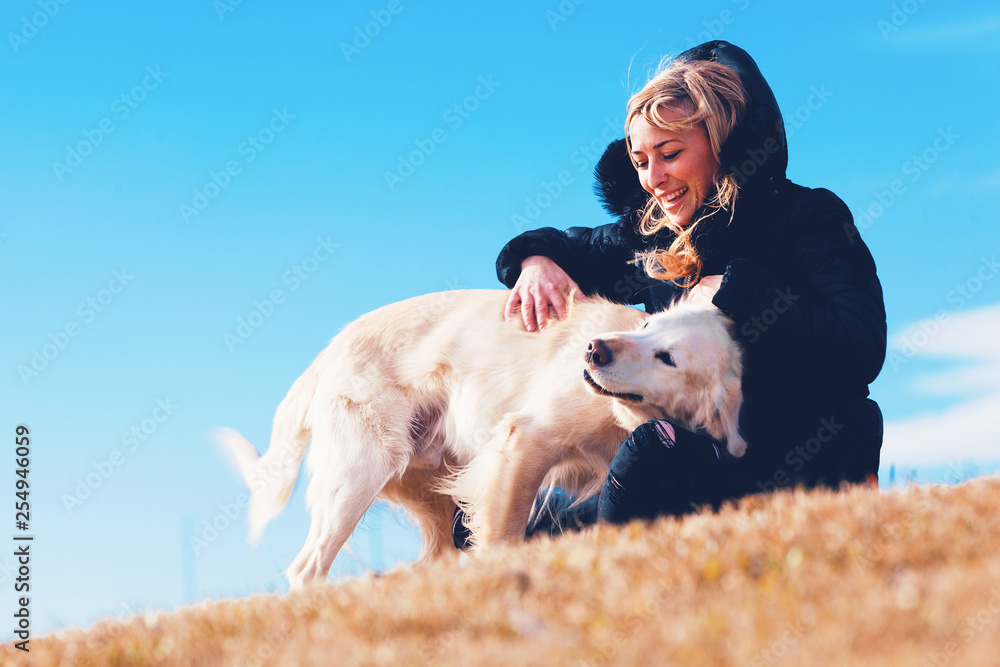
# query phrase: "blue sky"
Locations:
[[196, 196]]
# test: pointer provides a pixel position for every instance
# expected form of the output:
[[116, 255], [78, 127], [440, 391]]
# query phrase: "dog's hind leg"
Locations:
[[337, 508], [348, 471], [433, 511], [435, 521]]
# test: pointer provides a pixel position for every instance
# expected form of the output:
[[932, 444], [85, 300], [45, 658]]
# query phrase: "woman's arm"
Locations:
[[543, 265], [598, 259]]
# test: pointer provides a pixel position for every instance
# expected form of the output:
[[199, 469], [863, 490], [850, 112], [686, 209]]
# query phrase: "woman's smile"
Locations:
[[677, 167]]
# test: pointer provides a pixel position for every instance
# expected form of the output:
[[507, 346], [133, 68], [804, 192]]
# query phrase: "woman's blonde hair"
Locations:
[[715, 98]]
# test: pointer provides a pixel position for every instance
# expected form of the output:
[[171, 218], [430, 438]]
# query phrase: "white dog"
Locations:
[[436, 400]]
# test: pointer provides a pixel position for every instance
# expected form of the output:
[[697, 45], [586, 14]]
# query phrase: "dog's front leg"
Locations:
[[506, 504]]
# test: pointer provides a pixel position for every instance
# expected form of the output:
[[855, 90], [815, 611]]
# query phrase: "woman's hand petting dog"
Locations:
[[542, 284]]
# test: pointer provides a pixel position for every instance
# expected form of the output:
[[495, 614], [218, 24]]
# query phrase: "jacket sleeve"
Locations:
[[599, 259], [825, 315]]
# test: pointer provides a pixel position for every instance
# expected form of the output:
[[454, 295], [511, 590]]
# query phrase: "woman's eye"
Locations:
[[641, 165], [671, 156]]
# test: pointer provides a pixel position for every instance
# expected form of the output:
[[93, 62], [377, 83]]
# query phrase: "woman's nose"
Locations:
[[657, 175]]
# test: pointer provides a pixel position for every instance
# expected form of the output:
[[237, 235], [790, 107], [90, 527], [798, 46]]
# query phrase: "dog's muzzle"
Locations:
[[634, 398]]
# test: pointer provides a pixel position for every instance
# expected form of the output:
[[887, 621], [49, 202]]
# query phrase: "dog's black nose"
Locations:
[[598, 354]]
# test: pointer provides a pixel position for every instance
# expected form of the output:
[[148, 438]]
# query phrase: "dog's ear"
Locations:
[[729, 400], [720, 408]]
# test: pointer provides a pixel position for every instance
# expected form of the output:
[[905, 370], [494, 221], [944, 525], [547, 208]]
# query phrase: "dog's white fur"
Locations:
[[436, 400]]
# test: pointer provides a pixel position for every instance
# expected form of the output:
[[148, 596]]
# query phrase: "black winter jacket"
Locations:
[[798, 282]]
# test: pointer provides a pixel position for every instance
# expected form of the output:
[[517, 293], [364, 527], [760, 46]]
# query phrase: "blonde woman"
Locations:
[[704, 209]]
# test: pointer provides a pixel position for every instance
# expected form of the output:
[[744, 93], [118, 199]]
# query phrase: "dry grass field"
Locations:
[[860, 577]]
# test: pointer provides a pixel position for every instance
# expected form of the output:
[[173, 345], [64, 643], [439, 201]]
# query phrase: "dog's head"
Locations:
[[683, 364]]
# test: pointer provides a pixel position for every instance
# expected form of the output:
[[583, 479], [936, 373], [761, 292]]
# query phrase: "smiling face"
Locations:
[[677, 167]]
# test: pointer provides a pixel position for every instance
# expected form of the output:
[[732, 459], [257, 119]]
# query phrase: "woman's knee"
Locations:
[[632, 477], [659, 471]]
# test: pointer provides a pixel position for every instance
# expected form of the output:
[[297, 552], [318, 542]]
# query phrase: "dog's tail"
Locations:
[[271, 477]]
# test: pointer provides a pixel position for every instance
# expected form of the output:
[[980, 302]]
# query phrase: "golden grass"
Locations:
[[859, 577]]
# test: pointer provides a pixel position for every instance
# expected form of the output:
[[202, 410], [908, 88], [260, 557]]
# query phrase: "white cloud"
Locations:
[[971, 379], [970, 334], [970, 429], [976, 34], [982, 184], [985, 183]]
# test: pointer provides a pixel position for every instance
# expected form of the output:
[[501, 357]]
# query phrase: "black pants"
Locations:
[[649, 477]]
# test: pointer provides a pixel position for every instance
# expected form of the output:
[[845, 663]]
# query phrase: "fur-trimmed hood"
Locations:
[[756, 152]]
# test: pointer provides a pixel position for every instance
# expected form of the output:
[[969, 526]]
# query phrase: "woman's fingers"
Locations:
[[558, 305], [534, 308], [528, 314], [541, 285], [513, 300], [566, 288]]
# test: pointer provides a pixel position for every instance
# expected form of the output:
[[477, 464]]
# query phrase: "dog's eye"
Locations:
[[665, 358], [646, 324]]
